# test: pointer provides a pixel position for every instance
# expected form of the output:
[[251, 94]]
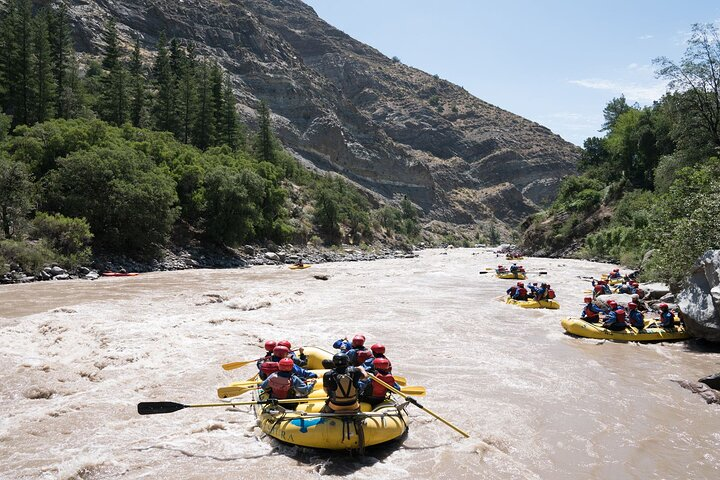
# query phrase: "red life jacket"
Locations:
[[589, 313], [280, 386], [551, 293], [522, 292], [377, 389], [598, 288]]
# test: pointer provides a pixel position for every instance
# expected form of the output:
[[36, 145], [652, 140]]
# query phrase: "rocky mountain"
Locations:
[[340, 105]]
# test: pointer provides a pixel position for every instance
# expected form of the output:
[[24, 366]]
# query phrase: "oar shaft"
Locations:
[[414, 402]]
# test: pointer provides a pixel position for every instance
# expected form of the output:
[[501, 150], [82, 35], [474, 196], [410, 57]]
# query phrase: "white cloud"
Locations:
[[633, 92], [646, 37]]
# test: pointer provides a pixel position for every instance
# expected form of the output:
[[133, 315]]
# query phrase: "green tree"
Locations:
[[113, 96], [166, 100], [265, 143], [16, 194], [43, 81], [612, 111], [64, 65], [698, 74], [232, 213], [70, 237], [204, 129], [18, 61], [129, 201], [187, 95], [230, 132], [138, 93]]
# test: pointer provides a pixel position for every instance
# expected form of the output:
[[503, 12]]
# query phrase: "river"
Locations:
[[77, 356]]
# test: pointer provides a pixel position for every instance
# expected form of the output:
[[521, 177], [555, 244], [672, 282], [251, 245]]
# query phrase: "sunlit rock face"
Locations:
[[700, 300]]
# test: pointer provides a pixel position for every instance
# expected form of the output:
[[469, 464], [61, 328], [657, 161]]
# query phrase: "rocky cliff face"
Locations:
[[699, 302], [342, 106]]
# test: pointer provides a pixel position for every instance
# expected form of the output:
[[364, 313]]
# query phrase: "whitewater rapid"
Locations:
[[76, 357]]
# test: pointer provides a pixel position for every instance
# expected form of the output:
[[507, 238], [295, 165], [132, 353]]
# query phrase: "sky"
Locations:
[[555, 62]]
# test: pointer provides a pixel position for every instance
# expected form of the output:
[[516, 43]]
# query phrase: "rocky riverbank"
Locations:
[[183, 258]]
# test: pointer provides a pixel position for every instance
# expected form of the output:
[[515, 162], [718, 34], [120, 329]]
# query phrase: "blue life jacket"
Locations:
[[637, 319]]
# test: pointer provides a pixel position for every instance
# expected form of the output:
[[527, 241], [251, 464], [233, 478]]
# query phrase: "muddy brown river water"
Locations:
[[77, 356]]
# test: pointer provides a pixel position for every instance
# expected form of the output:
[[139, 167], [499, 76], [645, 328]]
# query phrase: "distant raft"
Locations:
[[552, 304], [514, 258], [508, 275], [581, 328], [612, 281], [299, 267]]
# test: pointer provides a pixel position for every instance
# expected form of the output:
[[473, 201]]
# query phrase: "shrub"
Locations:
[[69, 237], [30, 257]]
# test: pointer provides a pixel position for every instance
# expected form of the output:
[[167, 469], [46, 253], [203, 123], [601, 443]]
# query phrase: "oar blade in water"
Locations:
[[152, 408]]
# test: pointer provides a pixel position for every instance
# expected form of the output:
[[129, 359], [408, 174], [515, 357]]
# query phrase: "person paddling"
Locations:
[[285, 384], [591, 312], [373, 392], [342, 385], [635, 317], [615, 320]]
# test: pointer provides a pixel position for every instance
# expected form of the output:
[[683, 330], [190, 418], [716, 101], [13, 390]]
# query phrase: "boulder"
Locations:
[[622, 299], [699, 302], [707, 393], [654, 291], [712, 381], [272, 256], [57, 271]]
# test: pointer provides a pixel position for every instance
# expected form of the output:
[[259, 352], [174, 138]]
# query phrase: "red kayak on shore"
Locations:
[[119, 274]]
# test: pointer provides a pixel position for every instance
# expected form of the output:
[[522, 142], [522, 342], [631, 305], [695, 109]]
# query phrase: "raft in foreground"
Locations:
[[509, 275], [307, 427], [581, 328], [551, 304]]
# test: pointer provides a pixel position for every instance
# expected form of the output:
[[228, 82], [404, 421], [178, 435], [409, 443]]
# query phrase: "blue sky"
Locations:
[[554, 62]]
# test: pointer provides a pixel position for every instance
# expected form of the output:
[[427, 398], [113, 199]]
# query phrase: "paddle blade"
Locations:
[[400, 380], [151, 408], [234, 365], [414, 390], [227, 392]]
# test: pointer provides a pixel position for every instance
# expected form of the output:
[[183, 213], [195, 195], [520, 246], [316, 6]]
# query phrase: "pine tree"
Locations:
[[265, 140], [18, 65], [165, 101], [217, 84], [43, 85], [113, 97], [64, 66], [138, 94], [204, 130], [187, 95], [230, 133]]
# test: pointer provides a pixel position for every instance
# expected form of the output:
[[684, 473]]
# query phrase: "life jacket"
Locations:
[[620, 316], [280, 386], [551, 293], [345, 396], [511, 291], [377, 389], [636, 319], [667, 319], [598, 288], [589, 313], [521, 293]]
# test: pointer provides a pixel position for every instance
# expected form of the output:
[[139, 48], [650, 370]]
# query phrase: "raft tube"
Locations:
[[581, 328], [299, 267], [552, 304], [508, 275]]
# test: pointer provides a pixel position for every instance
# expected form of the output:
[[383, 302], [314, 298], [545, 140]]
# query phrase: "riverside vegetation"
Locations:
[[648, 192], [114, 155]]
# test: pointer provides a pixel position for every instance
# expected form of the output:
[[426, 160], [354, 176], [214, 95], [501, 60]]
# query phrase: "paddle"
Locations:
[[152, 408], [415, 402], [234, 365]]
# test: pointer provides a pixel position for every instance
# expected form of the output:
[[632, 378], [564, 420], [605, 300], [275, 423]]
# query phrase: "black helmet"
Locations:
[[341, 360]]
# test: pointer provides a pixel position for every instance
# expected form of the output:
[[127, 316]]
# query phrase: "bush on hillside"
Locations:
[[69, 237]]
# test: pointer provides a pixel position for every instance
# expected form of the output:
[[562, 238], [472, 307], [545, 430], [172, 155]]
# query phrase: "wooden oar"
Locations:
[[415, 402], [234, 365]]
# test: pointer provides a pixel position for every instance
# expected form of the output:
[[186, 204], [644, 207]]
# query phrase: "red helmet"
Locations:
[[358, 341], [281, 351], [587, 299], [663, 306], [521, 284], [612, 303], [268, 368], [500, 266], [635, 284], [616, 269], [285, 343], [381, 363], [632, 305], [270, 345], [378, 349], [363, 355], [286, 365]]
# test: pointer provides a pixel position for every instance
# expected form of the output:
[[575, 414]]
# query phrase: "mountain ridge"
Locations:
[[340, 105]]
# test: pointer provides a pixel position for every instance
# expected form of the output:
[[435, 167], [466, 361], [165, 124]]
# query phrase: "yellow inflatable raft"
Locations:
[[299, 267], [552, 304], [581, 328], [515, 276], [307, 427], [611, 281], [514, 258]]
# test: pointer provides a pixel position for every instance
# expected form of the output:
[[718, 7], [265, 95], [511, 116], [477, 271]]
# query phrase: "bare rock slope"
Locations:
[[342, 106]]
